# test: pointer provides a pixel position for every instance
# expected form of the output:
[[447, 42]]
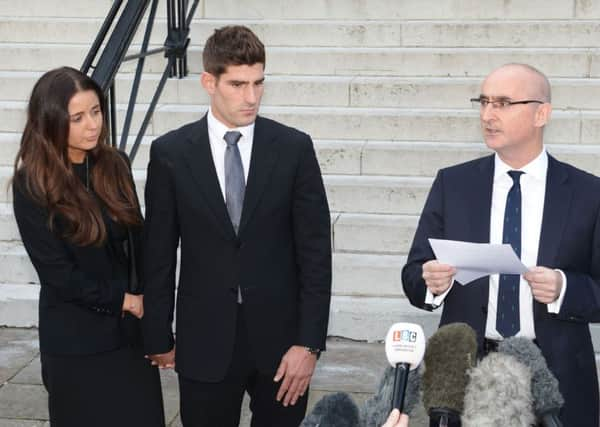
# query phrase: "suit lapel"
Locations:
[[557, 203], [202, 167], [265, 151], [479, 192]]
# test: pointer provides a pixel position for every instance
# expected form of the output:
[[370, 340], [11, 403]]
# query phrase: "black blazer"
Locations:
[[459, 206], [281, 258], [82, 288]]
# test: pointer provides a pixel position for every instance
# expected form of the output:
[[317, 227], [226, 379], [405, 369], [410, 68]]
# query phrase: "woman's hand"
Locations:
[[134, 304]]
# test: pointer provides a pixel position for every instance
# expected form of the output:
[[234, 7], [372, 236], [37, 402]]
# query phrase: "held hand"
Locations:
[[296, 369], [396, 420], [438, 277], [545, 284], [134, 304], [163, 360]]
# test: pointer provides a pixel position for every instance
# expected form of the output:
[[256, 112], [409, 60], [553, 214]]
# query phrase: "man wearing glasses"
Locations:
[[548, 211]]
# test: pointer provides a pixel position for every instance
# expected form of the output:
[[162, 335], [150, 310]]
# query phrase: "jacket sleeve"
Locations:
[[56, 267], [431, 225], [581, 302], [312, 239], [160, 241]]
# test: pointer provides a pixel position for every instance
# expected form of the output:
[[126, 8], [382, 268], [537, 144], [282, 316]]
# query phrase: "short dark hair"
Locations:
[[232, 45]]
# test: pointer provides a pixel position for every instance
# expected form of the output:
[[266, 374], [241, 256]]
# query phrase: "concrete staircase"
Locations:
[[382, 86]]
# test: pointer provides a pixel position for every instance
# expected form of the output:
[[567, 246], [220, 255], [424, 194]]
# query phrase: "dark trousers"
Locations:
[[219, 404]]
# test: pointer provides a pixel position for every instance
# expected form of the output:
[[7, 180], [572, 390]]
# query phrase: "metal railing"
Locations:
[[114, 51]]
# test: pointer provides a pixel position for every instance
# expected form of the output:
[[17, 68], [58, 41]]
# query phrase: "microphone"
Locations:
[[333, 410], [404, 348], [450, 353], [499, 393], [376, 409], [547, 399]]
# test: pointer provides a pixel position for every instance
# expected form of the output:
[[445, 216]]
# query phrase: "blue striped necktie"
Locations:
[[507, 314]]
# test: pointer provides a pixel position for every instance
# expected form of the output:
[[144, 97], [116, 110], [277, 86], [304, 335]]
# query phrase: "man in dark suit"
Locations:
[[548, 211], [244, 198]]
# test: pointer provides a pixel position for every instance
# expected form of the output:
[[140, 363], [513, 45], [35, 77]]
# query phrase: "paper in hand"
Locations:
[[475, 260]]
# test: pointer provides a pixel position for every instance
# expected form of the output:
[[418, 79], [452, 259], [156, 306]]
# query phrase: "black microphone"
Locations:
[[499, 394], [450, 353], [547, 399], [333, 410], [375, 411], [404, 348]]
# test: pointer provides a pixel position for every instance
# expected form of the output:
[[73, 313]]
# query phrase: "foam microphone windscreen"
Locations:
[[333, 410], [547, 398], [377, 408], [450, 353], [498, 394]]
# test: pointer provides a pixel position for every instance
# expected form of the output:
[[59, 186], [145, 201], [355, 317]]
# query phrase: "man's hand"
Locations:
[[396, 420], [545, 284], [296, 369], [438, 277], [163, 360]]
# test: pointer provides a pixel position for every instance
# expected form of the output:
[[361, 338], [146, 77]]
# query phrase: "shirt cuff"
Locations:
[[554, 307], [436, 300]]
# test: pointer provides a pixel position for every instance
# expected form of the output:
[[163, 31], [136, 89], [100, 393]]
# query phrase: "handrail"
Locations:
[[114, 54]]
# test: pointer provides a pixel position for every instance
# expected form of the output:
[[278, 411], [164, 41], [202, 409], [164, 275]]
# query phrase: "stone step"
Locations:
[[374, 233], [320, 9], [455, 92], [423, 62], [329, 91], [354, 274], [364, 318], [426, 158], [354, 194], [68, 8], [387, 158], [351, 233], [408, 9], [280, 90], [451, 125], [342, 33], [359, 318]]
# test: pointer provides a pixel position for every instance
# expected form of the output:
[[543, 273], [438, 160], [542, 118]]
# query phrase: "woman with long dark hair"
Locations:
[[79, 218]]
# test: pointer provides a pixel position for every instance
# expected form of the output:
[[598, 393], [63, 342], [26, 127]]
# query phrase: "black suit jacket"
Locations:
[[82, 287], [459, 206], [281, 258]]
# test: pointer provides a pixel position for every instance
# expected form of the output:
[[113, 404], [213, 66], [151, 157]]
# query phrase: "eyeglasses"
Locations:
[[500, 104]]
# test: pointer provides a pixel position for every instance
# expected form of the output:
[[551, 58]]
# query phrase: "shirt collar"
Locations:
[[219, 129], [537, 168]]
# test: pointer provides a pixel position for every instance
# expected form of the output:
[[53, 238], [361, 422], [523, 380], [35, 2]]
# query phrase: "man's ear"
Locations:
[[209, 82], [542, 115]]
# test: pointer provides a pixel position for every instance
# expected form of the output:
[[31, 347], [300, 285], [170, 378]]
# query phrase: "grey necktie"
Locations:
[[235, 183]]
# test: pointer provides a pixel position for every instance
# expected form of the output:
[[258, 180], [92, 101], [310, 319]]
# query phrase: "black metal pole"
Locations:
[[113, 114], [87, 63], [138, 77]]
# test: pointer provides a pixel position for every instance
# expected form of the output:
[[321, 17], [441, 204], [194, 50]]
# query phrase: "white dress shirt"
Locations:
[[216, 132], [533, 191]]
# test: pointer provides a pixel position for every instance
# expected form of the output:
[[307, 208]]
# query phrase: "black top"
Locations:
[[82, 287]]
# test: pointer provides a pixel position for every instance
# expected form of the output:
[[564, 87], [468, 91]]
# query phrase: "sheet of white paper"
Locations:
[[475, 260]]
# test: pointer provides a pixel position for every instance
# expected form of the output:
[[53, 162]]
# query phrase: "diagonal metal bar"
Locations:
[[151, 107], [138, 76]]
